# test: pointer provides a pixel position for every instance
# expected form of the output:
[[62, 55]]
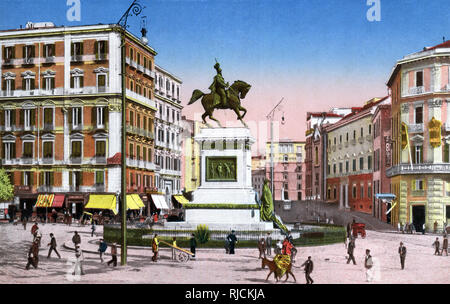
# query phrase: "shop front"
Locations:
[[75, 205]]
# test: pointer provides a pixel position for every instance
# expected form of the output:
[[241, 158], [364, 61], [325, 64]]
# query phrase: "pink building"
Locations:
[[382, 156]]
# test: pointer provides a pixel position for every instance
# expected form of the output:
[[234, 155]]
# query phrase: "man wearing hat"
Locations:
[[402, 253], [218, 86], [233, 240]]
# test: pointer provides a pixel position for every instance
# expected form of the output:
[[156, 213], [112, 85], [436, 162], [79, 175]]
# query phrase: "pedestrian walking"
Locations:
[[262, 248], [445, 246], [102, 248], [193, 243], [423, 228], [269, 244], [34, 228], [155, 248], [79, 258], [349, 230], [24, 222], [113, 255], [351, 248], [174, 243], [309, 266], [93, 228], [233, 240], [402, 253], [52, 245], [436, 245], [76, 239], [368, 264], [33, 255]]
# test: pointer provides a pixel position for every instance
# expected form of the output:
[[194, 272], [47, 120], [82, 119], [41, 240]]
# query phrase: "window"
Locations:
[[446, 157], [361, 163], [362, 132], [347, 166], [10, 118], [369, 191], [49, 83], [285, 158], [101, 49], [28, 53], [334, 168], [76, 148], [27, 149], [417, 154], [48, 149], [48, 118], [100, 148], [419, 79], [101, 83], [138, 152], [132, 118], [48, 178], [369, 162], [100, 115], [9, 151], [99, 178], [138, 120], [76, 50], [27, 118], [334, 193], [77, 117], [418, 184], [347, 136], [340, 167], [49, 50], [317, 155], [299, 176], [370, 129], [418, 114], [77, 79], [131, 151], [354, 134], [354, 191], [9, 85], [361, 193], [144, 154], [354, 165], [27, 178], [9, 53]]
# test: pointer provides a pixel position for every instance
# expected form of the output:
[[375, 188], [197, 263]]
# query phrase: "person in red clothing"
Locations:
[[287, 247]]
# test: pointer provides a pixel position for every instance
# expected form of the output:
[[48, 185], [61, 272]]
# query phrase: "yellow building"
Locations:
[[190, 176], [420, 172], [288, 174]]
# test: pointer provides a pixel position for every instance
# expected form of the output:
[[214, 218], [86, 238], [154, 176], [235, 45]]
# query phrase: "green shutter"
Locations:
[[72, 49], [94, 116], [70, 117], [21, 117], [52, 83], [72, 82], [33, 117], [33, 48], [13, 52], [13, 117], [70, 178], [413, 154], [81, 81], [13, 154], [2, 118], [23, 51], [24, 84], [33, 85], [81, 48], [13, 84]]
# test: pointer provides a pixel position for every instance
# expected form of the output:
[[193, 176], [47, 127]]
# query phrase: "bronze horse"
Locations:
[[274, 269], [237, 91]]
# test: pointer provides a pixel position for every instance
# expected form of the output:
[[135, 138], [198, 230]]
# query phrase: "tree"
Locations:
[[6, 188]]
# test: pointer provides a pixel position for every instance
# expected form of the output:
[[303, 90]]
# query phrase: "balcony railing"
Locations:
[[150, 73], [49, 160], [27, 61], [8, 61], [415, 128], [141, 98], [140, 68], [101, 57], [45, 188], [418, 169], [50, 59], [416, 90], [75, 160], [55, 91], [100, 160], [133, 64], [418, 192], [26, 160], [77, 58]]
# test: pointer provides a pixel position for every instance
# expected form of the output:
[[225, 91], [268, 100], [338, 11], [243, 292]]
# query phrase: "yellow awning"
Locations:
[[102, 201], [44, 200], [131, 204], [181, 199], [137, 200]]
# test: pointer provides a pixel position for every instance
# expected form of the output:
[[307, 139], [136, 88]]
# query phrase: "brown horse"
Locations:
[[274, 269]]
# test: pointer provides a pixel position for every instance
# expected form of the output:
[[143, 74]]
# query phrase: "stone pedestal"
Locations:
[[225, 198]]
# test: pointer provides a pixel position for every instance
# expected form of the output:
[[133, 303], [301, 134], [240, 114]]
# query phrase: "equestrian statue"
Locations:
[[222, 96]]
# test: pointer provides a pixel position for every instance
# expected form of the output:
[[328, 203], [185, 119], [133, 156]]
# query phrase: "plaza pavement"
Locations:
[[213, 266]]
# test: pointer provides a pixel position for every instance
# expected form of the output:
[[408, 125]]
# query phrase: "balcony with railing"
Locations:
[[416, 193], [28, 61], [50, 59], [149, 73], [140, 68], [141, 98], [77, 58], [133, 64], [46, 188], [27, 160], [76, 160], [48, 160], [416, 90], [55, 91], [418, 169], [415, 128], [101, 57], [100, 160]]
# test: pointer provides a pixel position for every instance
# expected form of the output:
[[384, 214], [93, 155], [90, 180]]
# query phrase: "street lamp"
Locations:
[[271, 116], [134, 9]]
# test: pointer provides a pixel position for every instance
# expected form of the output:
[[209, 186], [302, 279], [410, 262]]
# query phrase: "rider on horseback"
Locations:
[[218, 87]]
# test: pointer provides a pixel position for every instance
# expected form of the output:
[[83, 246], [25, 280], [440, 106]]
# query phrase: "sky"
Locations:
[[316, 54]]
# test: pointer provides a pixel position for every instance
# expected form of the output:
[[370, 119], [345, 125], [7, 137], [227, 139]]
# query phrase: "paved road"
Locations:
[[214, 266]]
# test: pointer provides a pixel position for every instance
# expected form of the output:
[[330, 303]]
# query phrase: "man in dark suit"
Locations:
[[402, 253], [233, 240], [52, 245], [436, 245], [445, 246], [33, 255], [309, 266], [351, 248]]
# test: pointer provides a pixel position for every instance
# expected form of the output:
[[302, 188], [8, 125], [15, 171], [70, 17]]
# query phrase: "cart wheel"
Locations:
[[183, 257]]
